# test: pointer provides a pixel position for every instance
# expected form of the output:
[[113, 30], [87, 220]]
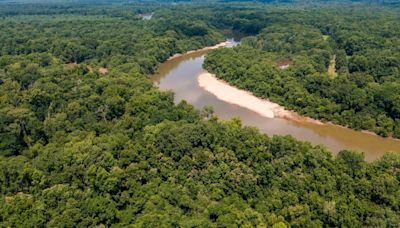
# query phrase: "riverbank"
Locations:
[[230, 94], [222, 44], [181, 76]]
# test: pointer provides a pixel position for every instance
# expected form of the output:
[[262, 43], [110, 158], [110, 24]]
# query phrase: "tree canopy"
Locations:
[[85, 147]]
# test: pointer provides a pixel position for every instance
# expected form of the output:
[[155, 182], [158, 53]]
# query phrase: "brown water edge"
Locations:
[[180, 75]]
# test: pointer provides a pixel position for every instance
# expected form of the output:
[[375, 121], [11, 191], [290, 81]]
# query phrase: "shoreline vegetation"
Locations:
[[228, 93]]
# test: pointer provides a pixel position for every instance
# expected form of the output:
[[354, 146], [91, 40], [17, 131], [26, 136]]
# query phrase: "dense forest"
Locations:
[[87, 140], [362, 90]]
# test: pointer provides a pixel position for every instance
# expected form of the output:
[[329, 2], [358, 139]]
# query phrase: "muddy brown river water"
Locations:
[[180, 75]]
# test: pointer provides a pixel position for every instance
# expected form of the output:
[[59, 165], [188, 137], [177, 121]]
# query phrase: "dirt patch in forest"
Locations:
[[284, 63], [72, 65], [103, 70], [332, 67]]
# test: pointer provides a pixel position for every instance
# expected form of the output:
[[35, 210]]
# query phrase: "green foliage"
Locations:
[[83, 148]]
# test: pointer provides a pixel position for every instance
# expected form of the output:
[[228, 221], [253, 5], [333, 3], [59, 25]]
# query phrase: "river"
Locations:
[[180, 75]]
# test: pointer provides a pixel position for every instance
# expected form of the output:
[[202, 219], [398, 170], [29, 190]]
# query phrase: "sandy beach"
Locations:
[[222, 44], [225, 92]]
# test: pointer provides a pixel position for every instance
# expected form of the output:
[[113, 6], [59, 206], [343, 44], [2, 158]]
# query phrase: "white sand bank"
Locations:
[[222, 44], [233, 95]]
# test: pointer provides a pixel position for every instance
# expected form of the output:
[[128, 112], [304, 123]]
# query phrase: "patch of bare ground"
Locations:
[[103, 70], [284, 63]]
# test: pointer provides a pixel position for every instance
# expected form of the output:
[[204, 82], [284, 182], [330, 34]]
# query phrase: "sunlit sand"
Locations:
[[222, 44], [245, 99], [230, 94]]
